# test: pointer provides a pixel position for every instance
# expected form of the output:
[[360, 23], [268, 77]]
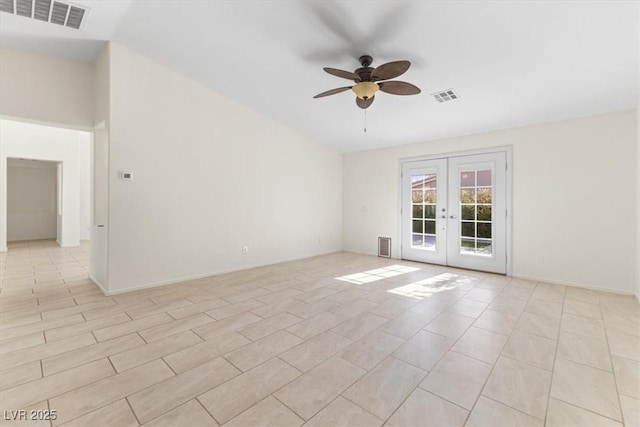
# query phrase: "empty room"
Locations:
[[319, 213]]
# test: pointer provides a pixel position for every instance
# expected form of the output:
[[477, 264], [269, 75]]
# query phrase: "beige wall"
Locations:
[[31, 200], [46, 89], [210, 176], [574, 198]]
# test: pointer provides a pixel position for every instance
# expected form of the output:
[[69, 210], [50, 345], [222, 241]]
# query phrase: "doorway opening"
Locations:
[[33, 200], [45, 193]]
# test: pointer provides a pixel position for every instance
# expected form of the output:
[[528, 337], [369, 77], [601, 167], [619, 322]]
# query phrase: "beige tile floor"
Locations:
[[335, 340]]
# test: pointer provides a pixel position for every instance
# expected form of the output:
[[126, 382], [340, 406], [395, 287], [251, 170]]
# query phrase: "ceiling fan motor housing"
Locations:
[[366, 60], [365, 71]]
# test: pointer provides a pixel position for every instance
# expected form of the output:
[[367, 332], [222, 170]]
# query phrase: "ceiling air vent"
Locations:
[[55, 12], [445, 95]]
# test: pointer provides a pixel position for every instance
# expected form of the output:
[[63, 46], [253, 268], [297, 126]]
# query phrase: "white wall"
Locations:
[[84, 151], [46, 89], [637, 262], [210, 176], [31, 200], [573, 204], [29, 141], [99, 258]]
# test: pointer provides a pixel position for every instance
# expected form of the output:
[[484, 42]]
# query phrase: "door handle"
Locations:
[[452, 216]]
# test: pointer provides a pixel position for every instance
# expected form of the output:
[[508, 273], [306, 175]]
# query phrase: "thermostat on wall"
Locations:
[[126, 176]]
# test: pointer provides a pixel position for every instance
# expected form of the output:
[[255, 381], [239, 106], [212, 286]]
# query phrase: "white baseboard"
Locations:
[[99, 285], [201, 276], [573, 284]]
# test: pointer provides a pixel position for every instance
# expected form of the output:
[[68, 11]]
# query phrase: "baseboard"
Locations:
[[99, 285], [68, 246], [573, 284], [202, 276]]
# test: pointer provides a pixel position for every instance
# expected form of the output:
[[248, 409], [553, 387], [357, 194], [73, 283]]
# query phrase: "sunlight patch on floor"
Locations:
[[377, 274], [427, 287]]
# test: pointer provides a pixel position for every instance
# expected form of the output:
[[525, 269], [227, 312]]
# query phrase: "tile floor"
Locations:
[[335, 340]]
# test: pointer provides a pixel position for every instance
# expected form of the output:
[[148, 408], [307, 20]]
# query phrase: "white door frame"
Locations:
[[508, 150]]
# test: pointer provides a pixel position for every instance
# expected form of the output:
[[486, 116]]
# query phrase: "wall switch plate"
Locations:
[[126, 176]]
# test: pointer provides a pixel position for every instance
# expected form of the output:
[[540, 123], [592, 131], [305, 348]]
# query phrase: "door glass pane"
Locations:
[[475, 212], [484, 230], [484, 247], [484, 195], [468, 179], [468, 229], [417, 211], [468, 196], [430, 227], [484, 178], [484, 213], [430, 196], [468, 212], [423, 206], [430, 212]]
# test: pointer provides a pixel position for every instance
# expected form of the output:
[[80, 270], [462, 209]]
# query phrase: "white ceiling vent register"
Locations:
[[55, 12], [445, 95]]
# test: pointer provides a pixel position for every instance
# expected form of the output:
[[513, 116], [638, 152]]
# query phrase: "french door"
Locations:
[[454, 211]]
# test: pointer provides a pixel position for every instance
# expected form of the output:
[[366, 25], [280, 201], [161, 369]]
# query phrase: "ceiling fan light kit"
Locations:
[[365, 90], [369, 80]]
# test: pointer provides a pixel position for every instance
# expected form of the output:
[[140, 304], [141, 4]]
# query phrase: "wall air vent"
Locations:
[[55, 12], [384, 247], [445, 95]]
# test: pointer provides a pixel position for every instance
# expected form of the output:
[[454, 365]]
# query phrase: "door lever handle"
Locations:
[[452, 216]]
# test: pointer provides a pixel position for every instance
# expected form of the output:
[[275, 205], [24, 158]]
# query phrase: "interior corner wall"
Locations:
[[45, 89], [209, 177], [573, 208], [37, 142]]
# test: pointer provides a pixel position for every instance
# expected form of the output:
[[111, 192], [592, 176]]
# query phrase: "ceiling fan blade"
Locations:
[[332, 92], [399, 88], [341, 73], [364, 103], [390, 70]]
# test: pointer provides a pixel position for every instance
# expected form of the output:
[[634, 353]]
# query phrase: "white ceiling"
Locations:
[[513, 63]]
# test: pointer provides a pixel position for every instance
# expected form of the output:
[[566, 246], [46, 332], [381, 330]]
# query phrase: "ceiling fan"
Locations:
[[369, 80]]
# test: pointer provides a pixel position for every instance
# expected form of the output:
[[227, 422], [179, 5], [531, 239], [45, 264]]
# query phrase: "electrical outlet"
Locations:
[[245, 249]]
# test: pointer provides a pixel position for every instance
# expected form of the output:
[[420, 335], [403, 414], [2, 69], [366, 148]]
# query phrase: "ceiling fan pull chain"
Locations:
[[365, 121]]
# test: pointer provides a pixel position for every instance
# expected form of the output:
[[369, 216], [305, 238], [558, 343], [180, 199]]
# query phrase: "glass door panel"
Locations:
[[476, 237], [422, 188]]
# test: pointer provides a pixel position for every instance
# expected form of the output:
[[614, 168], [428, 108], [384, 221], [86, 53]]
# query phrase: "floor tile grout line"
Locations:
[[613, 368], [621, 421], [555, 360], [126, 399], [493, 365]]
